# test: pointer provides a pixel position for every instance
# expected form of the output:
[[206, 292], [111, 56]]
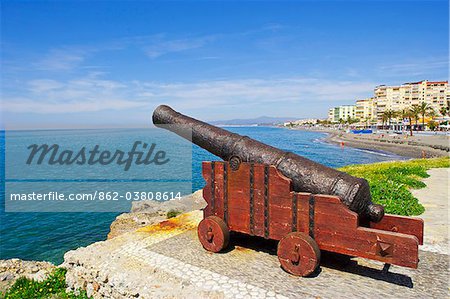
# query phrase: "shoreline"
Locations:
[[401, 145]]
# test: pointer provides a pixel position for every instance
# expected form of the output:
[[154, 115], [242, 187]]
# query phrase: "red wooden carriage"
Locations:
[[256, 199]]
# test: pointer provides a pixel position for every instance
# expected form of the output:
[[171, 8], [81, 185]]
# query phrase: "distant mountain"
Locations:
[[262, 120]]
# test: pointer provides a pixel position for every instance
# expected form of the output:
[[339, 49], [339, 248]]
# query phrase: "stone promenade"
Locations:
[[167, 261]]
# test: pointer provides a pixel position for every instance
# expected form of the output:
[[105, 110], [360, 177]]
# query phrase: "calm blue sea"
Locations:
[[46, 236]]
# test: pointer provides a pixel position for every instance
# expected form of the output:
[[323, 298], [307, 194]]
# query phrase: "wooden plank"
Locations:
[[238, 220], [280, 204], [280, 188], [258, 200], [207, 175], [239, 198], [294, 211], [365, 243], [303, 212], [280, 214], [252, 199], [331, 214], [278, 230], [336, 230], [334, 221], [329, 203], [266, 201], [225, 192], [405, 225], [360, 237], [219, 190], [311, 215]]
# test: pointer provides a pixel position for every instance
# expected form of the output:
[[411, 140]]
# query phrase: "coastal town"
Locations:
[[414, 106], [411, 120]]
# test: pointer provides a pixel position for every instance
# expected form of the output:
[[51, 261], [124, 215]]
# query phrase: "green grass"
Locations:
[[390, 182], [173, 213], [52, 287]]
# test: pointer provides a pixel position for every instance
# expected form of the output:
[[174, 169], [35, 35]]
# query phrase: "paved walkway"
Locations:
[[167, 261], [435, 198]]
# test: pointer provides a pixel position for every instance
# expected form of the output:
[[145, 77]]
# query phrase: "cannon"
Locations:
[[306, 175], [263, 191]]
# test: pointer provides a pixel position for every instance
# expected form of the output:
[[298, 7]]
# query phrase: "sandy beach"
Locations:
[[417, 146]]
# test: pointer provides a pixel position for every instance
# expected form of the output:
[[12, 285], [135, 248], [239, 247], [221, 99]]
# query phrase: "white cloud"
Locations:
[[418, 67], [91, 94], [244, 92], [72, 57], [43, 85], [86, 94], [21, 105], [162, 47], [62, 59]]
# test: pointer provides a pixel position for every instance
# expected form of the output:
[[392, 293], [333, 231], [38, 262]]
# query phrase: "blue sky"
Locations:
[[110, 63]]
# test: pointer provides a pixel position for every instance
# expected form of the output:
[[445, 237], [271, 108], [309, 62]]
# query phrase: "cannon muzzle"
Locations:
[[306, 175]]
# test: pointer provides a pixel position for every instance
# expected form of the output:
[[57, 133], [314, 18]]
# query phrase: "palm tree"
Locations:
[[424, 110], [432, 113], [409, 114], [402, 114], [383, 119], [444, 111], [389, 114], [415, 111], [406, 113], [366, 121]]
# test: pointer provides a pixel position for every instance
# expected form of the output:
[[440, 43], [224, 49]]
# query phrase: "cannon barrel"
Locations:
[[306, 175]]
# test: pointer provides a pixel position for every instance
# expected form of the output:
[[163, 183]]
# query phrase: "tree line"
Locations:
[[415, 112]]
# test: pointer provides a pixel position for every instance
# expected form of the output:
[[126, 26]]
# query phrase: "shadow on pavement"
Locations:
[[328, 259]]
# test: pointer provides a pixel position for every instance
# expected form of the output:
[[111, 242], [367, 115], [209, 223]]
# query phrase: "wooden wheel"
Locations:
[[298, 254], [213, 233]]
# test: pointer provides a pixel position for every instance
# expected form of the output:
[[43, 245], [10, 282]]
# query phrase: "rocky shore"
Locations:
[[144, 213], [12, 269]]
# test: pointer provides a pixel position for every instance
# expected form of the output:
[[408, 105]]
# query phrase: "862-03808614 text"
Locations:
[[97, 195]]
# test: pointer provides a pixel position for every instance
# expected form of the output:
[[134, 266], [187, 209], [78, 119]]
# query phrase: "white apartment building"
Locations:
[[396, 98], [343, 112], [330, 115], [365, 109]]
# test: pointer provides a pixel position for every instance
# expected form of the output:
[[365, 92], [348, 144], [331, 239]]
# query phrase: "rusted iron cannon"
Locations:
[[306, 175], [263, 191]]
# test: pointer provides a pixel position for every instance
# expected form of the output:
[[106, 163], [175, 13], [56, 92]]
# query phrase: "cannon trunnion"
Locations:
[[256, 199]]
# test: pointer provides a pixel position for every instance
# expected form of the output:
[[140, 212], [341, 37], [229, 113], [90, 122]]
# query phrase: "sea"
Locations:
[[48, 235]]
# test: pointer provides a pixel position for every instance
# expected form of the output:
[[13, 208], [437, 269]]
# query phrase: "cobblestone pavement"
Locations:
[[248, 269]]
